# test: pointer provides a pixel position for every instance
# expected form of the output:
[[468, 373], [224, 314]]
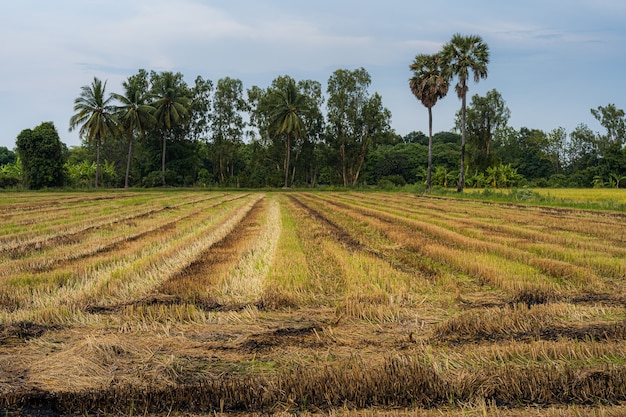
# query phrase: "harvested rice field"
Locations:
[[190, 303]]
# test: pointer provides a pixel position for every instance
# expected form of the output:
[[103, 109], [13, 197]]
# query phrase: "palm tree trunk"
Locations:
[[97, 159], [130, 155], [163, 161], [463, 128], [293, 170], [287, 156], [429, 174]]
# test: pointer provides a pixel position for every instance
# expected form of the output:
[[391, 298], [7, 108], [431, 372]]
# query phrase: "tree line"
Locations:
[[162, 131]]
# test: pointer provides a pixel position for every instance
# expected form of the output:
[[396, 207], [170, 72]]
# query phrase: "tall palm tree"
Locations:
[[134, 114], [429, 83], [171, 106], [95, 116], [462, 55], [288, 106]]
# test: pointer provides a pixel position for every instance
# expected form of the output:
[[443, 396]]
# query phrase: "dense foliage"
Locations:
[[41, 155]]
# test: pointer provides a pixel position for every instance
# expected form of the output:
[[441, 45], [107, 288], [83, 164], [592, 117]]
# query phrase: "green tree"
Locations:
[[6, 156], [610, 145], [264, 150], [556, 150], [528, 151], [582, 156], [171, 106], [614, 121], [307, 155], [198, 126], [95, 115], [462, 55], [429, 83], [416, 137], [134, 114], [228, 125], [287, 107], [258, 114], [41, 153], [486, 118], [403, 160], [356, 120]]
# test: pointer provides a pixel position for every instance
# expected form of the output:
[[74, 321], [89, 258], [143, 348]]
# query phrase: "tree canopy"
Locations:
[[41, 154]]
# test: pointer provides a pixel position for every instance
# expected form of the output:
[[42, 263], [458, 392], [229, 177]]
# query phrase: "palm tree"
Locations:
[[429, 83], [171, 106], [134, 114], [462, 55], [288, 106], [95, 115]]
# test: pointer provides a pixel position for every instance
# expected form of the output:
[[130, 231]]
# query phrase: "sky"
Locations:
[[551, 60]]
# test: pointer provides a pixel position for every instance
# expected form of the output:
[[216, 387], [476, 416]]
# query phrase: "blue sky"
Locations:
[[551, 60]]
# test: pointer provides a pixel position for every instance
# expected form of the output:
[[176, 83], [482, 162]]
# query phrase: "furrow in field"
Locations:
[[579, 273], [50, 202], [200, 283], [304, 271], [133, 274], [572, 230], [490, 263], [549, 322], [289, 275], [101, 241], [17, 246], [64, 214], [352, 242], [363, 281], [247, 281], [25, 215], [147, 274], [568, 254]]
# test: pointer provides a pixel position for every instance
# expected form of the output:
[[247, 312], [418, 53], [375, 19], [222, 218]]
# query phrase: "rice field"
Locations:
[[581, 195], [193, 303]]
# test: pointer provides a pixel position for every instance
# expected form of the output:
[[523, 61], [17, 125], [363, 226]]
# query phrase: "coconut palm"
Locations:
[[462, 55], [288, 105], [95, 116], [171, 106], [429, 83], [134, 114]]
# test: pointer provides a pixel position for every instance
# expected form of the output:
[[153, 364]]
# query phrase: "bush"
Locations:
[[523, 194], [391, 181], [7, 181], [205, 178], [11, 174], [154, 179], [384, 184]]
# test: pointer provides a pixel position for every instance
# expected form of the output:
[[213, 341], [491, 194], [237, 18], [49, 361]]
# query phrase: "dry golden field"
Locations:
[[319, 303]]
